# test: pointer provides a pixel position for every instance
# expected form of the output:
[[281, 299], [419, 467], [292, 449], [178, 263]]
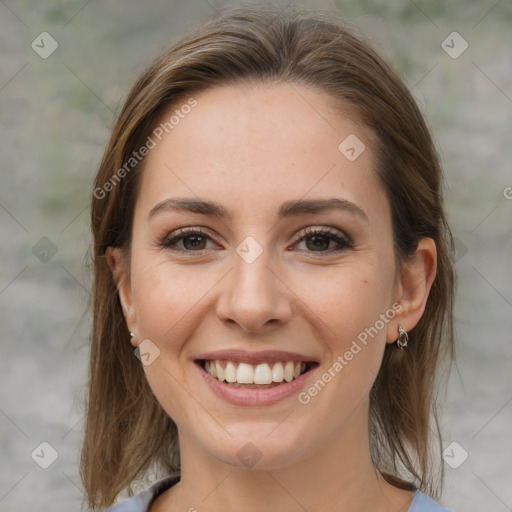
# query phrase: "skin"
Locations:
[[250, 149]]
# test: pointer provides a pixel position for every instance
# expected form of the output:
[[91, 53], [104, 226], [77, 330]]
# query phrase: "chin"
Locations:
[[258, 447]]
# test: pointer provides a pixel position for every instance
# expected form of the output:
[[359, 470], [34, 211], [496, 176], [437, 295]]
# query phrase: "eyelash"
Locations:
[[343, 241]]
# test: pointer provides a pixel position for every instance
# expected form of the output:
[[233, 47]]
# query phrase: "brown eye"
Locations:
[[319, 240], [192, 241]]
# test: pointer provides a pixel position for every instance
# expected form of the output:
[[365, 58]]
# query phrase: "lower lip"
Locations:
[[255, 397]]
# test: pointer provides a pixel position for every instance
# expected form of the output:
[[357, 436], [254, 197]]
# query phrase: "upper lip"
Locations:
[[263, 356]]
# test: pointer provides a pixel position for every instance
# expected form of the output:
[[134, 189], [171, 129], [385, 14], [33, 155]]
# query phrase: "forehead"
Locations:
[[255, 147]]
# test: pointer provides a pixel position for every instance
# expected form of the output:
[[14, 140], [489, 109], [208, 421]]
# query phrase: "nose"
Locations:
[[254, 296]]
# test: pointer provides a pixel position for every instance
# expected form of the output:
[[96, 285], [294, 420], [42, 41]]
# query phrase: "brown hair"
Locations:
[[127, 432]]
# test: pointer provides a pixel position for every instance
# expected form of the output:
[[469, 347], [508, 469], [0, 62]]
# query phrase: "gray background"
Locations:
[[56, 114]]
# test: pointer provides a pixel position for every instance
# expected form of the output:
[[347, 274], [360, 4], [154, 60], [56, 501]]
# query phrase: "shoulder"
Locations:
[[422, 503], [137, 503], [141, 502]]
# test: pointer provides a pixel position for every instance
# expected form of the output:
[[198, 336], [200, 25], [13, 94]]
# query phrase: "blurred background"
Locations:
[[65, 67]]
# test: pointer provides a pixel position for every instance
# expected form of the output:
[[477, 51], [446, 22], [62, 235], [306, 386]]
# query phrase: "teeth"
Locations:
[[244, 374], [221, 374], [289, 370], [278, 373], [230, 372], [261, 374]]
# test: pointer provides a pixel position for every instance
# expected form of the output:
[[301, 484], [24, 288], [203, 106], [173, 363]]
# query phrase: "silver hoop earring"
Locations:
[[403, 338]]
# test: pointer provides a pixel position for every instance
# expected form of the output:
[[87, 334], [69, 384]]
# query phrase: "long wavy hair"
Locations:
[[127, 432]]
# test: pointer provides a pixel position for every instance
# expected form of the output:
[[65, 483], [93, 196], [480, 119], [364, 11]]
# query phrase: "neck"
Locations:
[[336, 475]]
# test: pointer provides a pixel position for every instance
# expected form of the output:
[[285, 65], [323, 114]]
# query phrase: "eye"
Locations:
[[319, 240], [193, 240], [316, 240]]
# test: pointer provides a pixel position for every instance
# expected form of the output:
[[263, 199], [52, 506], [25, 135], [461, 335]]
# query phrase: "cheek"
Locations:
[[348, 309], [170, 303], [345, 300], [351, 321], [168, 298]]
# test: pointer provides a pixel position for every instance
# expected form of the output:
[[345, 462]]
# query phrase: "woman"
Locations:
[[269, 234]]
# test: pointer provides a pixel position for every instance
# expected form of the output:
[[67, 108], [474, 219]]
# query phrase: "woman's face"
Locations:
[[294, 264]]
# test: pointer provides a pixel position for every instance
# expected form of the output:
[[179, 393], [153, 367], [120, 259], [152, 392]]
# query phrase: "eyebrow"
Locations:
[[288, 209]]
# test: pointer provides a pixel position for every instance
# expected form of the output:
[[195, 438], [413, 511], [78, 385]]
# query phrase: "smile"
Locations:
[[257, 383], [256, 376]]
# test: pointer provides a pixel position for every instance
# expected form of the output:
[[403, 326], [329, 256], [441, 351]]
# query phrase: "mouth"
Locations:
[[263, 375]]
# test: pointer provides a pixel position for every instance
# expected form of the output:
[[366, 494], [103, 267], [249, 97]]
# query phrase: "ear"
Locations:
[[413, 287], [120, 273]]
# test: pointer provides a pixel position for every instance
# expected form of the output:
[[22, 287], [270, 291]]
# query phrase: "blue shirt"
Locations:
[[141, 502]]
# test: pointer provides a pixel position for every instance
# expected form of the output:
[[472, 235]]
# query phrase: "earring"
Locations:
[[403, 338], [132, 335]]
